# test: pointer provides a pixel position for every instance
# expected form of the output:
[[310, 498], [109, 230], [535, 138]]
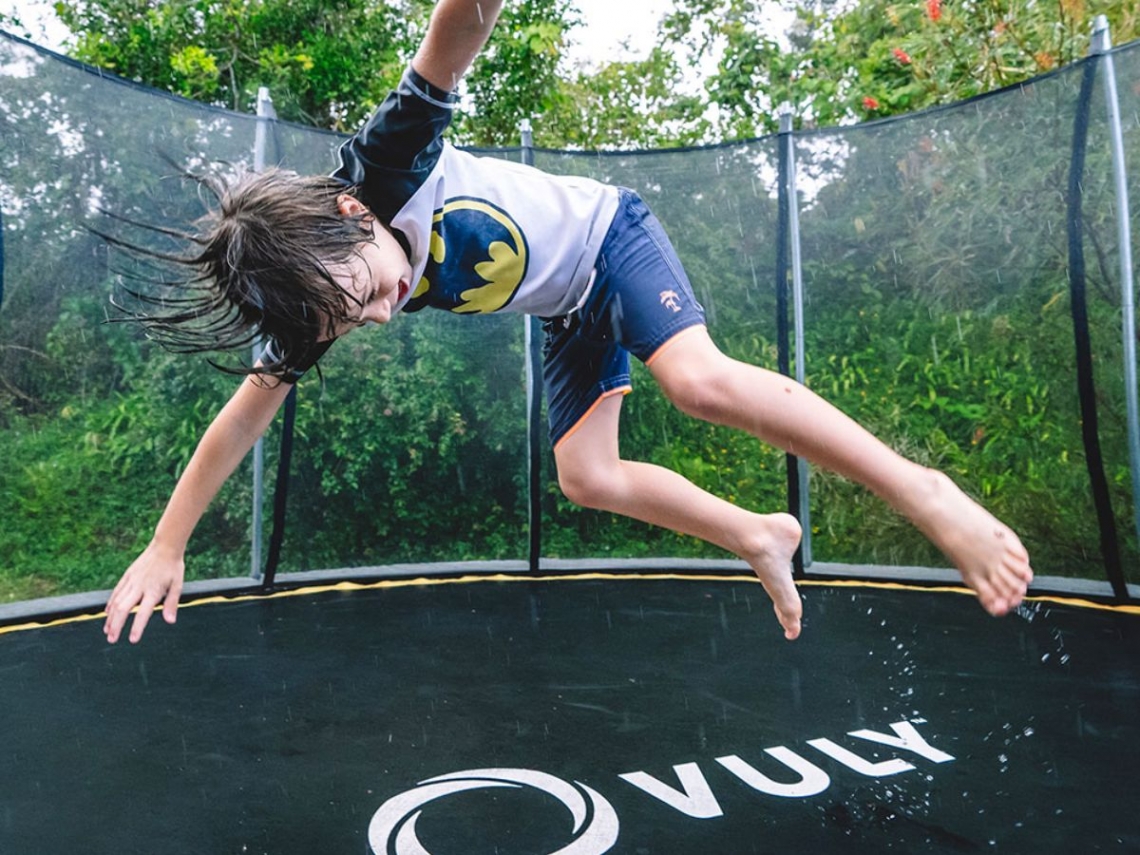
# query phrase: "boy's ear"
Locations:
[[350, 206]]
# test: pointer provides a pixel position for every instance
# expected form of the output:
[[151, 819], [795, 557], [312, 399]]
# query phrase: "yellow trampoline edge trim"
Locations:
[[422, 581]]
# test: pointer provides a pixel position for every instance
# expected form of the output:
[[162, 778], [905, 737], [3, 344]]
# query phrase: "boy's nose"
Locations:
[[372, 314]]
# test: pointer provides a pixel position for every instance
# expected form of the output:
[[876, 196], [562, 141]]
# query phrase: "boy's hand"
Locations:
[[153, 578]]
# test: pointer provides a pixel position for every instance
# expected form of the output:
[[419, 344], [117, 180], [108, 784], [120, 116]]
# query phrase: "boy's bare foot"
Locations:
[[987, 553], [770, 555]]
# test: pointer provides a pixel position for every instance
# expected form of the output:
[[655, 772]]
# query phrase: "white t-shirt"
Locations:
[[482, 234]]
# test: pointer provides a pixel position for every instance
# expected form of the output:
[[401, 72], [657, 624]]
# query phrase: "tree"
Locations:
[[326, 63], [839, 64], [516, 76], [329, 63], [629, 103]]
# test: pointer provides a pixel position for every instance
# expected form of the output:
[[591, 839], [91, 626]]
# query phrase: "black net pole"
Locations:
[[783, 332], [281, 490], [1086, 385], [534, 432], [265, 137]]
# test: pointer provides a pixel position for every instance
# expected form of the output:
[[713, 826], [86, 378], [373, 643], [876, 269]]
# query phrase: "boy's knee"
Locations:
[[586, 486], [580, 490], [699, 392]]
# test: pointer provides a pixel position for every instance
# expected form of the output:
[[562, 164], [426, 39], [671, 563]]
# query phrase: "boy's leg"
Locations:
[[702, 381], [591, 473]]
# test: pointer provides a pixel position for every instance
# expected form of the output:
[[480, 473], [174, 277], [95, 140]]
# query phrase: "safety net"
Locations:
[[936, 258]]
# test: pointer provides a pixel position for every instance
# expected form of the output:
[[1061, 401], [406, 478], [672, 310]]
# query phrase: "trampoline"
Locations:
[[571, 686], [577, 713]]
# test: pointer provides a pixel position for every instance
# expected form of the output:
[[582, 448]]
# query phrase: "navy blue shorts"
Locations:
[[640, 299]]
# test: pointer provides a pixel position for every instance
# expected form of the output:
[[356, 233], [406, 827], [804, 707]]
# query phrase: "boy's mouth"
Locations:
[[402, 289]]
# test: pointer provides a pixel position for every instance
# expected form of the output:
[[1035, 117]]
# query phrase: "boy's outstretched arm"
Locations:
[[458, 31], [156, 575]]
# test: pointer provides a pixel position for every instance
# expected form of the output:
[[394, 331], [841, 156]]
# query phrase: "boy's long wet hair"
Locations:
[[253, 268]]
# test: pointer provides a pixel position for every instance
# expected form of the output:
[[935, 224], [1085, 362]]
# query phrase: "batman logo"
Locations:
[[477, 259]]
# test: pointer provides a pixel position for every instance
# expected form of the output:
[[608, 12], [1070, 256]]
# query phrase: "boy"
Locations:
[[406, 222]]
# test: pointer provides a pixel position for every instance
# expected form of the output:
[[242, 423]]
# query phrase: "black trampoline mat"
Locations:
[[461, 717]]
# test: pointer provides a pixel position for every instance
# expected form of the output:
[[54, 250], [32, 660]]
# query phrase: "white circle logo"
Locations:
[[393, 827]]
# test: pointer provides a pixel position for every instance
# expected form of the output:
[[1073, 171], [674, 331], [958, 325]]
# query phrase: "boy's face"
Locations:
[[376, 279]]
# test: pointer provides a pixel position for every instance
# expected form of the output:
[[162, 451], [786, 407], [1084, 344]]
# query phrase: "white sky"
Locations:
[[603, 31], [39, 19]]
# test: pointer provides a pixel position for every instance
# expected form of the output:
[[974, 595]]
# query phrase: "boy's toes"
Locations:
[[790, 623], [1015, 591], [998, 606], [1023, 572], [984, 591]]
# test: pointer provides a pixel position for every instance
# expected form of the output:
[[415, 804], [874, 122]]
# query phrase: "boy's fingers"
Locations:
[[119, 609], [170, 605], [142, 617], [117, 614]]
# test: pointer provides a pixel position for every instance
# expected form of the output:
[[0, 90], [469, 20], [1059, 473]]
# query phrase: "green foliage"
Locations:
[[326, 64], [430, 439], [84, 488], [329, 64], [516, 76], [637, 103], [840, 63], [981, 396]]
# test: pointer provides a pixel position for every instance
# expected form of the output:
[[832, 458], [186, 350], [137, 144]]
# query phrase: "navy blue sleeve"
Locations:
[[392, 155], [294, 369]]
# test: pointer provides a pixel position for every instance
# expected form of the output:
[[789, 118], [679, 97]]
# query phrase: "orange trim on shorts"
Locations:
[[670, 341], [619, 390]]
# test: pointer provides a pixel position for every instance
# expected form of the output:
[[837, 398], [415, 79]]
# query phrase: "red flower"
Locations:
[[901, 55], [870, 103], [934, 9]]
